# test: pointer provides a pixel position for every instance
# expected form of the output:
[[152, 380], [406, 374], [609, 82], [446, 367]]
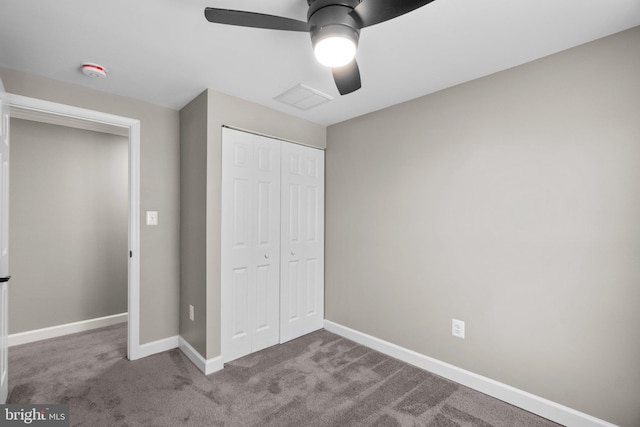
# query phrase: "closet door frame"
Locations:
[[300, 299]]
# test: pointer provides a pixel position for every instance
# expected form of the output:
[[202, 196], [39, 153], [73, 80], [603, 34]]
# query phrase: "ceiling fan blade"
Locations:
[[256, 20], [371, 12], [347, 78]]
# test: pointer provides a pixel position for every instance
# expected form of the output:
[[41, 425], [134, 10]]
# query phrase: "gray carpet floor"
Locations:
[[320, 379]]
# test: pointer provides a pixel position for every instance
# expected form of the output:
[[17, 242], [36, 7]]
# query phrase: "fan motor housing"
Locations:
[[331, 17], [315, 5]]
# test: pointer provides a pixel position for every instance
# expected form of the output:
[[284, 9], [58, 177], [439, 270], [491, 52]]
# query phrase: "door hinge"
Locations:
[[130, 254]]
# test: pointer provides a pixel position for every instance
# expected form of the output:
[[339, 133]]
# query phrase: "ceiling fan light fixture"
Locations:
[[335, 51], [335, 45]]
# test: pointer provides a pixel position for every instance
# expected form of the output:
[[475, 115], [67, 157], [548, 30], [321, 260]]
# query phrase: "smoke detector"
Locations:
[[94, 71]]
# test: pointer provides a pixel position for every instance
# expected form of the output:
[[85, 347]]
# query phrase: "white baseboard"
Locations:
[[207, 366], [66, 329], [522, 399], [155, 347]]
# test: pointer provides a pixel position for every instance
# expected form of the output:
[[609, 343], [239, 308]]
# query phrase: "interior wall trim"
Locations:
[[206, 366], [158, 346], [65, 329], [520, 398]]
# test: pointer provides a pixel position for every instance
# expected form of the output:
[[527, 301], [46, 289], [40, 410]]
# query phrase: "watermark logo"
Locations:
[[34, 415]]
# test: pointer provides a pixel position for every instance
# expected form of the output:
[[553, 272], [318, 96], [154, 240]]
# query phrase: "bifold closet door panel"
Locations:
[[266, 311], [250, 243], [302, 241]]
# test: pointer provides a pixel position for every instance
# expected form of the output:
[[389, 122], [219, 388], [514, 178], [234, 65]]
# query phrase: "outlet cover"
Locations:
[[191, 313], [457, 328], [152, 217]]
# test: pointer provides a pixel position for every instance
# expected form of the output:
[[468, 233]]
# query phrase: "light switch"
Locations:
[[152, 217]]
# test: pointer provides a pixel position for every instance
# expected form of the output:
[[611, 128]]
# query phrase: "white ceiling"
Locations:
[[165, 52]]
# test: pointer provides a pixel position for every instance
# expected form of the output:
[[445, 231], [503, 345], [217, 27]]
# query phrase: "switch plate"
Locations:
[[191, 313], [152, 217], [457, 328]]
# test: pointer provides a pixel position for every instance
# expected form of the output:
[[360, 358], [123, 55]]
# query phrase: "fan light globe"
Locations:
[[335, 51]]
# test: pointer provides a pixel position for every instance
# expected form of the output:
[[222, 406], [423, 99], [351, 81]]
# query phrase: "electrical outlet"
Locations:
[[457, 328], [191, 312], [152, 217]]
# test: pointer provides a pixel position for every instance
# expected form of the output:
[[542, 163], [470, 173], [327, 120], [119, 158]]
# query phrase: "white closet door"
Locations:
[[266, 312], [250, 243], [302, 241]]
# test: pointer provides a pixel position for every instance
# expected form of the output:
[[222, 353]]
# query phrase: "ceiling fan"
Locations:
[[334, 26]]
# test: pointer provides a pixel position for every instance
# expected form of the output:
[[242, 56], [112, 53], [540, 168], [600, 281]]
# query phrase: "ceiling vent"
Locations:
[[303, 97]]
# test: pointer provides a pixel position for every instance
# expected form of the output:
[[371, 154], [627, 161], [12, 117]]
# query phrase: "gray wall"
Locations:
[[511, 202], [159, 190], [193, 221], [201, 284], [68, 230]]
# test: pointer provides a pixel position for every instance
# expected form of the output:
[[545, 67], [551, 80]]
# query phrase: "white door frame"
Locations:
[[133, 125]]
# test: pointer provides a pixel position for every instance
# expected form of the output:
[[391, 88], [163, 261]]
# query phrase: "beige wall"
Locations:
[[513, 203], [68, 230], [159, 190]]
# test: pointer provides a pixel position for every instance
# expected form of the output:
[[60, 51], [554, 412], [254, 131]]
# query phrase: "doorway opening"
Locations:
[[128, 130]]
